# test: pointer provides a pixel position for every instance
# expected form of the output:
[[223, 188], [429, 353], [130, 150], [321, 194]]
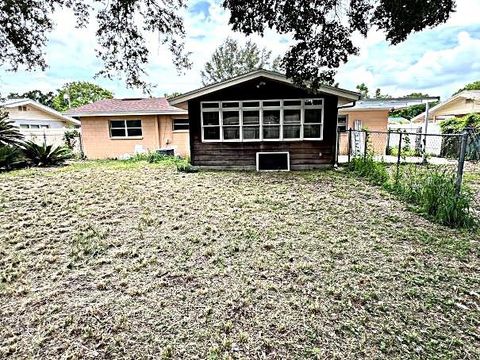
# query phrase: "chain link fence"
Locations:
[[399, 147]]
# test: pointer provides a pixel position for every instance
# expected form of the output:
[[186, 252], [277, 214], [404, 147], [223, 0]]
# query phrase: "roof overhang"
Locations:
[[344, 95], [41, 107], [129, 113]]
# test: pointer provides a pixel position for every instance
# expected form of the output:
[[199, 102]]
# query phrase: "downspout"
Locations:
[[337, 142]]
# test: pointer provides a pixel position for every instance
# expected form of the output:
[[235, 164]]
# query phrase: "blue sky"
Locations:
[[437, 61]]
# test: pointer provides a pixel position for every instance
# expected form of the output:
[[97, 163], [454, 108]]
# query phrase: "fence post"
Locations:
[[349, 144], [365, 145], [338, 146], [399, 154], [387, 149], [461, 163]]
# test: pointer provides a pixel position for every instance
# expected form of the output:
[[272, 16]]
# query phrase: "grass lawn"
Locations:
[[131, 260]]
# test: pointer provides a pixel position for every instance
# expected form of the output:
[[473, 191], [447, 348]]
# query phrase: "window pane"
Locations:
[[251, 117], [271, 103], [230, 105], [134, 123], [291, 116], [231, 118], [117, 124], [292, 103], [231, 132], [311, 131], [24, 126], [211, 118], [314, 102], [44, 126], [210, 105], [118, 132], [313, 116], [211, 133], [34, 126], [180, 124], [291, 131], [271, 117], [251, 132], [251, 104], [271, 132], [134, 132]]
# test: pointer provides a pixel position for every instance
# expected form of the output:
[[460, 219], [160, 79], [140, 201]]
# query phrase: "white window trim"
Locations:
[[273, 152], [302, 107], [126, 137]]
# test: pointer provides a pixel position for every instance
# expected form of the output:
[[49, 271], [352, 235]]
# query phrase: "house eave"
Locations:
[[346, 95]]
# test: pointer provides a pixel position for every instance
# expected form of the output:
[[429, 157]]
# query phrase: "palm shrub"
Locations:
[[45, 155], [11, 157], [9, 133]]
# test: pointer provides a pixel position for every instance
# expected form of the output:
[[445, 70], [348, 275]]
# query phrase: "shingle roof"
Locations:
[[126, 106]]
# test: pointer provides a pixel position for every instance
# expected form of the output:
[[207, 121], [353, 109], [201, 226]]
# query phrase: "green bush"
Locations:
[[369, 168], [11, 157], [432, 189], [181, 164], [45, 155]]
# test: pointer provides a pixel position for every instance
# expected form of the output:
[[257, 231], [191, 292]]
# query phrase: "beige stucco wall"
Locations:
[[373, 120], [156, 133]]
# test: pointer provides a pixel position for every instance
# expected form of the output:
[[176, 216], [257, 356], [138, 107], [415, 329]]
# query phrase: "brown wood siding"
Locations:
[[303, 154]]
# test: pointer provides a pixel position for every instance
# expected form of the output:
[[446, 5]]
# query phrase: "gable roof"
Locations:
[[345, 95], [128, 106], [10, 103], [466, 94], [385, 104]]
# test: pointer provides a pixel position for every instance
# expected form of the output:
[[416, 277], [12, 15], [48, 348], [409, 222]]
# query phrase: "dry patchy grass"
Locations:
[[108, 259]]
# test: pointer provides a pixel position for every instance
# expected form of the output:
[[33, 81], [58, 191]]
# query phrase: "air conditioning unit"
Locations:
[[273, 161]]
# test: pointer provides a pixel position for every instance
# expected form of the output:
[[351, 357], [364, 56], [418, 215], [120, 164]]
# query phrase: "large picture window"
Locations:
[[267, 120], [125, 128]]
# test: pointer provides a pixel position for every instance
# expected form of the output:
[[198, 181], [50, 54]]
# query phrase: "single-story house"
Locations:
[[115, 127], [28, 115], [38, 122], [372, 115], [262, 120], [461, 104]]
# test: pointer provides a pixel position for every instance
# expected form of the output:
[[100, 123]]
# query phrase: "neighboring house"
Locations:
[[262, 120], [461, 104], [30, 115], [115, 127], [372, 115], [38, 122]]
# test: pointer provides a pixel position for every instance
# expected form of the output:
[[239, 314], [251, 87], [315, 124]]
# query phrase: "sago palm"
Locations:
[[9, 133], [45, 155]]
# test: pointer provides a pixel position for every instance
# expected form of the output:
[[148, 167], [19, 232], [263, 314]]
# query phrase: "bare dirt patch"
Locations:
[[138, 261]]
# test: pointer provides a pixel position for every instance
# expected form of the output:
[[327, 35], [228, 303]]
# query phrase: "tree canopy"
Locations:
[[79, 93], [231, 59], [322, 30], [36, 95], [471, 86], [121, 33]]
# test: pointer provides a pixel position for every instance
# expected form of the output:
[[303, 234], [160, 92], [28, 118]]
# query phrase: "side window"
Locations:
[[180, 124], [342, 123]]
